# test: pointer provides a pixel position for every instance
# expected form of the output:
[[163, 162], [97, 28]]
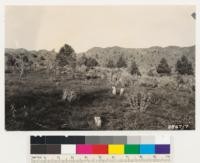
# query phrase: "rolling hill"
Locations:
[[145, 58]]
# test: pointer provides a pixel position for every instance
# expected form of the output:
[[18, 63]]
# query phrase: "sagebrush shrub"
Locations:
[[155, 98], [139, 101], [126, 79], [167, 82], [185, 83], [152, 72], [147, 81], [91, 62], [110, 64], [69, 95], [13, 110]]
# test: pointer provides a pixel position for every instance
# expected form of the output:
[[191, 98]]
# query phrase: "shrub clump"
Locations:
[[87, 61], [183, 66], [69, 95], [133, 68], [163, 67], [139, 101], [121, 62]]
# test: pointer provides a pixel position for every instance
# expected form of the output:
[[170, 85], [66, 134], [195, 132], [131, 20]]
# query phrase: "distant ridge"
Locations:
[[145, 58]]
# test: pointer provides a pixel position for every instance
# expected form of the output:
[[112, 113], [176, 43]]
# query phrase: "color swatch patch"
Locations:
[[147, 149], [100, 149], [117, 145], [132, 149], [115, 149]]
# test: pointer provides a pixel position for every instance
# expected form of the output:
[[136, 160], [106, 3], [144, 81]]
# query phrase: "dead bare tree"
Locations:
[[20, 65], [51, 67]]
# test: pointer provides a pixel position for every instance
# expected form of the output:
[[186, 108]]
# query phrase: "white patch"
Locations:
[[121, 91], [114, 90], [64, 94], [97, 121]]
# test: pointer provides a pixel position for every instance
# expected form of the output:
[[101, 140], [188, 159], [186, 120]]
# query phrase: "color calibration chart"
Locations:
[[100, 149]]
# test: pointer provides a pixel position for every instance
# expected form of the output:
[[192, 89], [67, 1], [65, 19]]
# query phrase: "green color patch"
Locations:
[[132, 149]]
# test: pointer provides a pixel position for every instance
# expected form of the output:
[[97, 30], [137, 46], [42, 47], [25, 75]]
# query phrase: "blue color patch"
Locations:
[[147, 149]]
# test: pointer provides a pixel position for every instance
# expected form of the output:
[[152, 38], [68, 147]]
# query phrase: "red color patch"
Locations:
[[100, 149]]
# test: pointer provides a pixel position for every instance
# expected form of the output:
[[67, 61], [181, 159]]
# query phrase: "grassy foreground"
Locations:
[[35, 103]]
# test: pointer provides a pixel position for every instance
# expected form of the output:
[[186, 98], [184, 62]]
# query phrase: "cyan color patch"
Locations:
[[147, 149]]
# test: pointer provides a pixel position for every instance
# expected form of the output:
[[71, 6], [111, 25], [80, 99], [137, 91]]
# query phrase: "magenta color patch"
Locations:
[[83, 149]]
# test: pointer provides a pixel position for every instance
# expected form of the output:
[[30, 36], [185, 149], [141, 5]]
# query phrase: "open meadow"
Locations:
[[151, 103]]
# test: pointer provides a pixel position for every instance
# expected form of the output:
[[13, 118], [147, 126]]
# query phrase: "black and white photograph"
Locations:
[[101, 67]]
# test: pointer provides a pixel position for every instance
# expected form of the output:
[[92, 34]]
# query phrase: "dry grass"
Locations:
[[38, 104]]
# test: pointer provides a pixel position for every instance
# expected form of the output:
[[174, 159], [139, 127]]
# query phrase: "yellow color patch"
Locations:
[[116, 149]]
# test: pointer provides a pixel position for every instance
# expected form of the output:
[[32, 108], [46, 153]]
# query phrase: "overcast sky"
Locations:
[[84, 27]]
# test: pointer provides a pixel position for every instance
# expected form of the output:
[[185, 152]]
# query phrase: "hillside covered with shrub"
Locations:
[[145, 58]]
